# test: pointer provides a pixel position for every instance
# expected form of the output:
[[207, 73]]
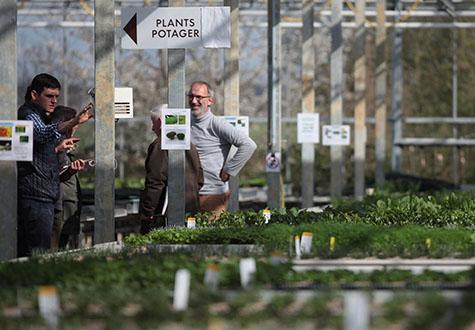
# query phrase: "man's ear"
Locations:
[[34, 95], [211, 100]]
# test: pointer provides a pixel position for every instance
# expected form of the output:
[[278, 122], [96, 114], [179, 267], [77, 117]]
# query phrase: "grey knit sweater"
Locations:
[[213, 138]]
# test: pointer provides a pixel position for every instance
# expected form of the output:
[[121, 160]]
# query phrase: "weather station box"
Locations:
[[123, 102]]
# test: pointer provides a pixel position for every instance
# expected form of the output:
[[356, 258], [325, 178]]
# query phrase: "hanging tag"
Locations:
[[267, 215], [48, 303], [306, 242], [212, 277], [182, 290], [247, 269], [191, 222], [298, 251]]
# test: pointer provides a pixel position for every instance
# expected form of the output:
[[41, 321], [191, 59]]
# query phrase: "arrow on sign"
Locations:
[[131, 28]]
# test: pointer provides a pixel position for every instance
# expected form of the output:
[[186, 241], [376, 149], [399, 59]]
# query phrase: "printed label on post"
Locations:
[[306, 242], [247, 269], [182, 290]]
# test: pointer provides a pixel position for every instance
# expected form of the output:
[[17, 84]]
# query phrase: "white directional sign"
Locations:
[[336, 135], [183, 27]]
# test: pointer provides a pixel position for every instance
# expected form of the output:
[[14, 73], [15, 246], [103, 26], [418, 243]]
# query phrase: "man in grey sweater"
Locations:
[[213, 138]]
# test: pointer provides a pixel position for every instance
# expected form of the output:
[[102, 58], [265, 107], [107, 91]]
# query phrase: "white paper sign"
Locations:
[[16, 140], [181, 292], [336, 135], [308, 128], [175, 27], [241, 123], [176, 129]]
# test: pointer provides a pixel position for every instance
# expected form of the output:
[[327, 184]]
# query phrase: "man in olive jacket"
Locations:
[[153, 196]]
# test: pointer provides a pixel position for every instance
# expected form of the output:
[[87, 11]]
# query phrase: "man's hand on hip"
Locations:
[[224, 176]]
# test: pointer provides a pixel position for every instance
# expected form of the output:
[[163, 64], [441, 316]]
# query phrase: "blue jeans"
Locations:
[[35, 225]]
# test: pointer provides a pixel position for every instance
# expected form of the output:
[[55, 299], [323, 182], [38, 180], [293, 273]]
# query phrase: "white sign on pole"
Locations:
[[336, 135], [308, 128], [183, 27], [176, 129], [16, 140], [239, 122]]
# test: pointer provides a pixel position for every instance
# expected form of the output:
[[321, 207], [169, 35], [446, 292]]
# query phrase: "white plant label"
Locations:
[[191, 222], [211, 279], [306, 242], [182, 290], [267, 215], [247, 269], [48, 303], [298, 251]]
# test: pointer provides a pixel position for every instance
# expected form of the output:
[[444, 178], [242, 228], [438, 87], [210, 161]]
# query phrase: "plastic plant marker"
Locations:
[[428, 243], [267, 215], [332, 243], [48, 304], [306, 242], [247, 269], [181, 292], [276, 258], [211, 279], [191, 222], [298, 251]]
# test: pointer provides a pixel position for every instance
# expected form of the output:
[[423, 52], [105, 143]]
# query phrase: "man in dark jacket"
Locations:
[[156, 165], [38, 180]]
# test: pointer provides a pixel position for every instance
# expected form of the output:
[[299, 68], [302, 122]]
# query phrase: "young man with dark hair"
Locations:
[[38, 180]]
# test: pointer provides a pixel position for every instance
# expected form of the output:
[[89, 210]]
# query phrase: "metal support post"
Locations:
[[104, 195], [455, 150], [380, 92], [336, 108], [308, 101], [396, 91], [176, 158], [360, 100], [8, 111], [274, 191], [231, 88]]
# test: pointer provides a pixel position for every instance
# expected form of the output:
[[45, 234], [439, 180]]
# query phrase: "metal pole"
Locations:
[[231, 88], [308, 101], [176, 158], [380, 92], [8, 111], [104, 227], [455, 150], [274, 191], [396, 91], [336, 108], [360, 100]]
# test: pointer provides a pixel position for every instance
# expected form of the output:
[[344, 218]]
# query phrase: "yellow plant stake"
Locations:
[[332, 243], [428, 243]]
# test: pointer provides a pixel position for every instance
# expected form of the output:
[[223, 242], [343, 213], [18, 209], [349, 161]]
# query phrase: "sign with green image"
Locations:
[[176, 129]]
